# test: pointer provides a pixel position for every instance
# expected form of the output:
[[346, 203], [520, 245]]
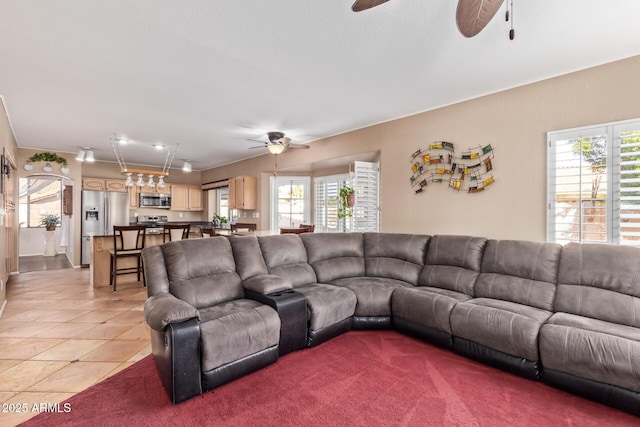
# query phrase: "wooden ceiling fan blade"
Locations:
[[473, 15], [360, 5], [299, 147]]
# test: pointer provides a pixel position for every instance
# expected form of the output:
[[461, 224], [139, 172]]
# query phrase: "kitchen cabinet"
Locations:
[[133, 197], [95, 184], [186, 198], [243, 192], [115, 185]]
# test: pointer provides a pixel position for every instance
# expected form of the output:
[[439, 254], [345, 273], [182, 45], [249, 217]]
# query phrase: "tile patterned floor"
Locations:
[[59, 336]]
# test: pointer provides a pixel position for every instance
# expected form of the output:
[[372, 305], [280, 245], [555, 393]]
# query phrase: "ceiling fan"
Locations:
[[278, 143], [471, 15]]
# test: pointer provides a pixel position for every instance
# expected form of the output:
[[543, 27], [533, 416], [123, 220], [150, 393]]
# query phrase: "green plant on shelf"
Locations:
[[50, 221], [48, 157], [346, 202], [218, 220]]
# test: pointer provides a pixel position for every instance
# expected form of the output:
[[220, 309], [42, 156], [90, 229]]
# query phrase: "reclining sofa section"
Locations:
[[220, 308]]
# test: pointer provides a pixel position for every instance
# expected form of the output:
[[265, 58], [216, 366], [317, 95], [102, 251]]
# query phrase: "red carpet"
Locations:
[[361, 378]]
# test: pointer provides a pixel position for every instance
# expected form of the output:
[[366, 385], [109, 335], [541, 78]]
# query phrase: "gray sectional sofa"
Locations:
[[220, 307]]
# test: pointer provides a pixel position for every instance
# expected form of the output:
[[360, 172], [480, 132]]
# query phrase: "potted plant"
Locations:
[[218, 220], [346, 202], [50, 221]]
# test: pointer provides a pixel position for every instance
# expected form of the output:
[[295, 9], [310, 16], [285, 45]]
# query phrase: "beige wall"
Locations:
[[8, 223], [514, 122]]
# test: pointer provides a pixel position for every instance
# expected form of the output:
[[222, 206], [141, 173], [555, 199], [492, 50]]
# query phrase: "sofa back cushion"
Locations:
[[519, 271], [395, 256], [248, 256], [334, 255], [453, 262], [600, 281], [202, 272], [286, 256]]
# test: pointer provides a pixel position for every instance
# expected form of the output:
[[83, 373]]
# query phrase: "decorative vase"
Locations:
[[51, 228]]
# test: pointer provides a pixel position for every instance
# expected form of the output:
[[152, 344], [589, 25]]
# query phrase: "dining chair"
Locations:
[[295, 230], [175, 232], [128, 242], [243, 226], [208, 232]]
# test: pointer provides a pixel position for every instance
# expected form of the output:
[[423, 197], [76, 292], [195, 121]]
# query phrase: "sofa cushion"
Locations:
[[286, 256], [501, 325], [373, 294], [519, 271], [453, 262], [395, 256], [248, 257], [600, 281], [327, 304], [202, 272], [334, 255], [430, 307], [236, 329], [593, 349]]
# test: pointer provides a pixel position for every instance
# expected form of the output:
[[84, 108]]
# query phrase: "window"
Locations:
[[364, 180], [290, 201], [39, 196], [594, 184]]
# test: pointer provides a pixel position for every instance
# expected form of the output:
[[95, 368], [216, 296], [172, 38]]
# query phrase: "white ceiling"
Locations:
[[209, 74]]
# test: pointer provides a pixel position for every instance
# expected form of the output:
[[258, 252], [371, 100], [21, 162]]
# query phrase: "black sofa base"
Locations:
[[430, 335], [325, 334], [371, 322], [516, 365], [176, 351], [610, 395], [238, 368]]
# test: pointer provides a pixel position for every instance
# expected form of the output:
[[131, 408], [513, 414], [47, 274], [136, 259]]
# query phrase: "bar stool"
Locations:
[[128, 242], [208, 232], [175, 232]]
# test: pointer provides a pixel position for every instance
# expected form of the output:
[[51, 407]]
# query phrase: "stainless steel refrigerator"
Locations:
[[101, 210]]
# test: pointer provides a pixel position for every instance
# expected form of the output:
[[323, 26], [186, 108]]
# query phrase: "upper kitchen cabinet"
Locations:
[[115, 185], [96, 184], [242, 192], [186, 198]]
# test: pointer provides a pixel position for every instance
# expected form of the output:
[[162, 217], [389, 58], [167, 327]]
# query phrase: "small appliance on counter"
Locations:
[[153, 223]]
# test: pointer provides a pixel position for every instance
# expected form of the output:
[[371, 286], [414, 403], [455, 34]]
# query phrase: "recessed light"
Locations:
[[123, 141], [159, 147]]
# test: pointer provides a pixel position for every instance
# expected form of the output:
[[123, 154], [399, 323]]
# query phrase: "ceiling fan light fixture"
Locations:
[[275, 148], [186, 167]]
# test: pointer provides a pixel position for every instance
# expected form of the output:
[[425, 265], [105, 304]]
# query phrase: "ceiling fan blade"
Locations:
[[257, 146], [360, 5], [473, 15], [299, 147], [284, 140]]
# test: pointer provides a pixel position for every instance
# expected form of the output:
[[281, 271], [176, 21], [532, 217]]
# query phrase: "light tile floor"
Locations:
[[59, 336]]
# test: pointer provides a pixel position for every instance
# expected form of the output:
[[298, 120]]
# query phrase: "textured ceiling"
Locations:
[[208, 74]]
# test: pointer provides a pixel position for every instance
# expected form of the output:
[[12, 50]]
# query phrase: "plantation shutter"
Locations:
[[326, 202], [629, 230], [366, 211]]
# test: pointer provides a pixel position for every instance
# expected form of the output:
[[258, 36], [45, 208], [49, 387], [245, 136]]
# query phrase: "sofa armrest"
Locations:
[[266, 284], [163, 309]]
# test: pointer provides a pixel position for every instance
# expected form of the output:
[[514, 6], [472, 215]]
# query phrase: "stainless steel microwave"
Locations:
[[151, 200]]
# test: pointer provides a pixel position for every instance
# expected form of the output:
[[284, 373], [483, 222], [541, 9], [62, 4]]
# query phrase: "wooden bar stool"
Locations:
[[128, 242], [175, 232]]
